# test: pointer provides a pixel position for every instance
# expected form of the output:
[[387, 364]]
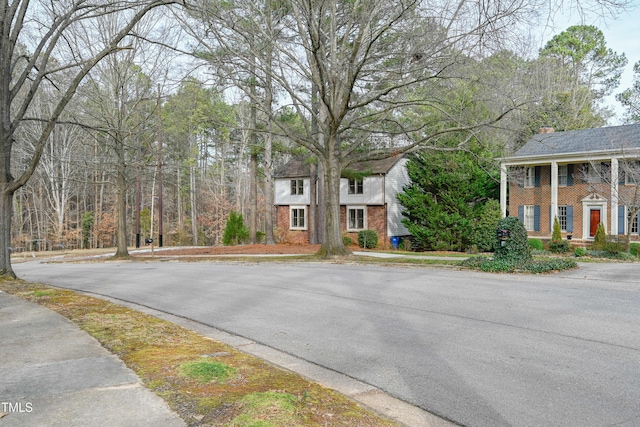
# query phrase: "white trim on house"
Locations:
[[593, 201], [305, 217], [363, 208]]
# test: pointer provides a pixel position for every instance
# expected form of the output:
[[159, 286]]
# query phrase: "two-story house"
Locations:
[[582, 177], [366, 202]]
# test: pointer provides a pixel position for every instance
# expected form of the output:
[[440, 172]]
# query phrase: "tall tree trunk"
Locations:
[[192, 200], [332, 245], [6, 211], [253, 196], [121, 208]]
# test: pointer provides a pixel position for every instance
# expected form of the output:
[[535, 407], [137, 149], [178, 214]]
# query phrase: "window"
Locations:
[[297, 186], [356, 219], [298, 218], [529, 177], [597, 172], [562, 175], [562, 217], [634, 223], [529, 217], [356, 186]]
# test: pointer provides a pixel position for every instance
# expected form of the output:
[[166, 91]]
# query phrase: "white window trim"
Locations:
[[306, 218], [529, 215], [364, 221], [560, 218], [355, 186], [299, 188], [529, 176], [563, 177]]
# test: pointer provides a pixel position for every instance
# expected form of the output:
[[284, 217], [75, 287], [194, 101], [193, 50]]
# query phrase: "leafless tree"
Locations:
[[36, 43]]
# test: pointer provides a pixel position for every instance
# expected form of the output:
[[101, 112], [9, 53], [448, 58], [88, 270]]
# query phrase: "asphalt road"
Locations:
[[478, 349]]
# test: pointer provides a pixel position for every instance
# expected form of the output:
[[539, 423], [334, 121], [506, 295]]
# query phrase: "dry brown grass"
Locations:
[[156, 349]]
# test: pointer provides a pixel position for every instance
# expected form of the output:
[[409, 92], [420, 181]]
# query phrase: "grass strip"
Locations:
[[206, 382]]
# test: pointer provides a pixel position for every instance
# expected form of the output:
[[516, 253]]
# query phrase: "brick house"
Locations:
[[584, 177], [365, 203]]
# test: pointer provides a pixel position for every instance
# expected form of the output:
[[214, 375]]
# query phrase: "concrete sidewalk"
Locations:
[[54, 374]]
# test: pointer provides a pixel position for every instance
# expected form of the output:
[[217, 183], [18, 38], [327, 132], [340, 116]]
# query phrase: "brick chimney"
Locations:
[[545, 129]]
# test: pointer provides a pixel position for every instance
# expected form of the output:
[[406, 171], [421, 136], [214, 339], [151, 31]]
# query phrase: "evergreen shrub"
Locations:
[[536, 244], [367, 239], [235, 232], [600, 239], [515, 249]]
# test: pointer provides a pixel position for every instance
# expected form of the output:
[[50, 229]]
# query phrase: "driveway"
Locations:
[[478, 349]]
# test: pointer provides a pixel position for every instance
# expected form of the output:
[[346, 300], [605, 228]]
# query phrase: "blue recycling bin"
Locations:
[[395, 242]]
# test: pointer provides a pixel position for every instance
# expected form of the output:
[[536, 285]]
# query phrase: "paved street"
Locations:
[[478, 349]]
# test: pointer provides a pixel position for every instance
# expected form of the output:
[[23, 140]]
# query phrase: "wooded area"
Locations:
[[131, 120]]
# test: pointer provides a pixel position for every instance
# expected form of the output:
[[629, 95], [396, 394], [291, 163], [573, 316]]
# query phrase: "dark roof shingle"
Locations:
[[580, 141], [298, 167]]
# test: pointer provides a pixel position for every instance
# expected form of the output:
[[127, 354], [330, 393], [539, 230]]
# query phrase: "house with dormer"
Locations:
[[367, 199], [582, 177]]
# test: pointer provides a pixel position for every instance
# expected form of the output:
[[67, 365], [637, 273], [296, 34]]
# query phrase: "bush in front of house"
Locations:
[[600, 239], [533, 266], [536, 244], [367, 239], [578, 252], [514, 255], [558, 245], [347, 241], [515, 249], [633, 248]]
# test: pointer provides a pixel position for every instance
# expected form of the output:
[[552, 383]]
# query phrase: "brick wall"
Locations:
[[570, 196], [376, 220]]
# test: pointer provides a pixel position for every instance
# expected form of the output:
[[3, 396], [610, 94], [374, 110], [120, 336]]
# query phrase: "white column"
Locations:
[[554, 193], [614, 197], [503, 190]]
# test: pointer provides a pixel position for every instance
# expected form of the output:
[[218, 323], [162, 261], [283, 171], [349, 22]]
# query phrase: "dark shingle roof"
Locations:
[[580, 141], [299, 168]]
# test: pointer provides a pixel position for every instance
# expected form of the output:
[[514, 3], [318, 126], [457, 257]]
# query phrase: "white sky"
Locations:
[[622, 35]]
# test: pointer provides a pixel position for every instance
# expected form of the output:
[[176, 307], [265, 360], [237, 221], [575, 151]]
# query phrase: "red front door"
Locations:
[[594, 220]]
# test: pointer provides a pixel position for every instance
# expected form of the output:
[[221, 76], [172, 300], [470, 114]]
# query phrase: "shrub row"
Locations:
[[532, 266]]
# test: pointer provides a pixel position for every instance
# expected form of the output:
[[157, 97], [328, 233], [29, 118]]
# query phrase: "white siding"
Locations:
[[372, 192], [397, 178], [283, 194]]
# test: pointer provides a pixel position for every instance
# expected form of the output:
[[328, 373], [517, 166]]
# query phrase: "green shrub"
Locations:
[[347, 241], [559, 247], [515, 249], [556, 235], [600, 239], [580, 252], [260, 236], [633, 248], [536, 244], [367, 239], [483, 231], [614, 246], [235, 232], [406, 245], [533, 266]]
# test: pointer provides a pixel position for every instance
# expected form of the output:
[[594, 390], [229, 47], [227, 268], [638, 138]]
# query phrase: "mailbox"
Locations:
[[503, 234]]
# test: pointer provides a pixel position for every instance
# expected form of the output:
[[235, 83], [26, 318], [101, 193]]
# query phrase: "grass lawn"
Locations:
[[204, 381]]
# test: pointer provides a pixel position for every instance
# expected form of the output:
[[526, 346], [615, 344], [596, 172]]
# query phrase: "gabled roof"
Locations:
[[298, 167], [614, 138]]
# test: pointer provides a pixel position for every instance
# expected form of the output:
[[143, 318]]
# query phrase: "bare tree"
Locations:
[[36, 43]]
